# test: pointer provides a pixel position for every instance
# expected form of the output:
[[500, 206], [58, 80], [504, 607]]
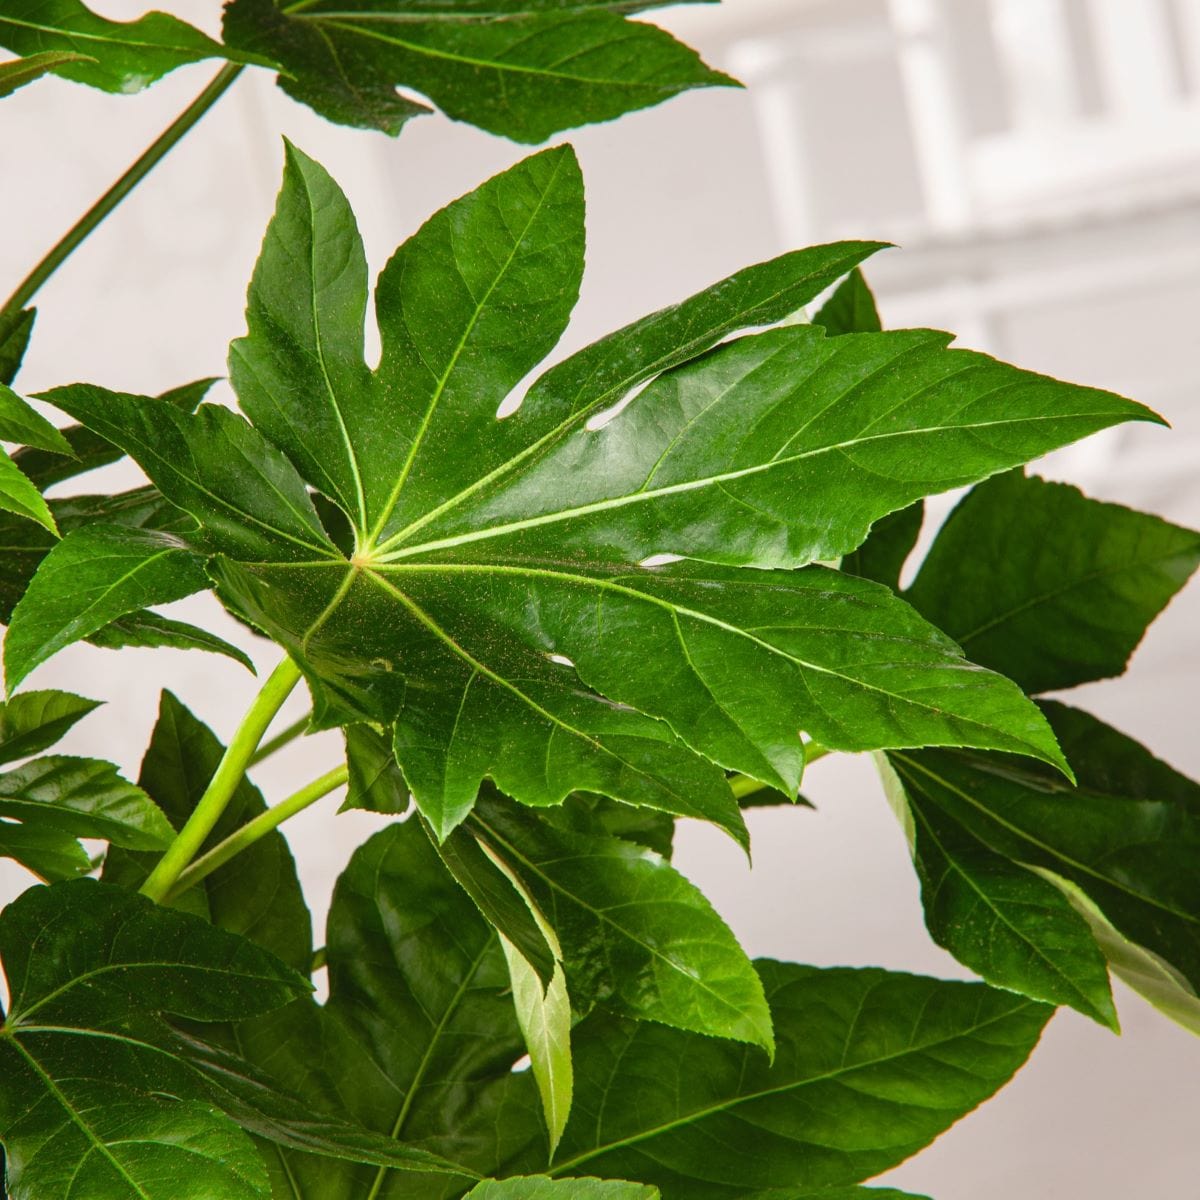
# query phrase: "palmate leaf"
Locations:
[[1126, 838], [1054, 589], [493, 607], [524, 69], [116, 56], [870, 1067]]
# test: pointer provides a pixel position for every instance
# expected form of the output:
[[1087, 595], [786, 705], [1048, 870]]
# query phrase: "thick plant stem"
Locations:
[[224, 783], [283, 738], [119, 190], [250, 833]]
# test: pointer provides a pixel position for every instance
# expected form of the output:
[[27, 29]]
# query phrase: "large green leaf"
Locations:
[[83, 797], [117, 56], [1036, 580], [31, 722], [636, 935], [496, 604], [1009, 925], [92, 577], [256, 894], [17, 73], [1128, 836], [521, 68], [86, 1103], [870, 1067]]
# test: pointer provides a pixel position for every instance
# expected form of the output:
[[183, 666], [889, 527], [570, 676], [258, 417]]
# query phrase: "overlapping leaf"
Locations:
[[521, 68], [21, 71], [34, 721], [15, 329], [1127, 837], [1054, 589], [870, 1067], [637, 936], [116, 56], [1009, 925], [544, 1188], [493, 606]]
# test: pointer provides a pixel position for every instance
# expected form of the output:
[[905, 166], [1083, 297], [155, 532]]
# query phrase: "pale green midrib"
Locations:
[[692, 485], [77, 1120], [966, 876], [110, 40], [1054, 593], [360, 494], [724, 1106], [426, 1058], [427, 568], [425, 619], [1034, 841], [498, 64], [654, 952], [394, 498], [662, 362]]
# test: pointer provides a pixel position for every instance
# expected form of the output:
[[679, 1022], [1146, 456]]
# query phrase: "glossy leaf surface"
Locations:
[[1009, 925], [1054, 589], [870, 1066], [1125, 836], [544, 1188], [19, 422], [116, 56], [18, 495], [495, 586], [33, 721], [524, 69], [84, 1102], [636, 935], [85, 798], [94, 576]]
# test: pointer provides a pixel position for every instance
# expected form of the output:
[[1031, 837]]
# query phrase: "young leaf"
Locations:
[[92, 577], [257, 893], [20, 423], [1036, 580], [851, 309], [524, 69], [1126, 836], [870, 1067], [31, 722], [544, 1014], [20, 71], [115, 56], [15, 329], [85, 1101], [637, 936], [83, 797], [18, 495], [544, 1188], [1007, 924]]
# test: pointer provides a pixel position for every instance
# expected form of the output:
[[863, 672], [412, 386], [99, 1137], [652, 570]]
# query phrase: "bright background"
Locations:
[[1039, 163]]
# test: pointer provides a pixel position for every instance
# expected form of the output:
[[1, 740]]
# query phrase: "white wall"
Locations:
[[677, 197]]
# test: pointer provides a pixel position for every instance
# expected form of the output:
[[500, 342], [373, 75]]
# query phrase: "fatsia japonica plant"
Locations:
[[655, 588]]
